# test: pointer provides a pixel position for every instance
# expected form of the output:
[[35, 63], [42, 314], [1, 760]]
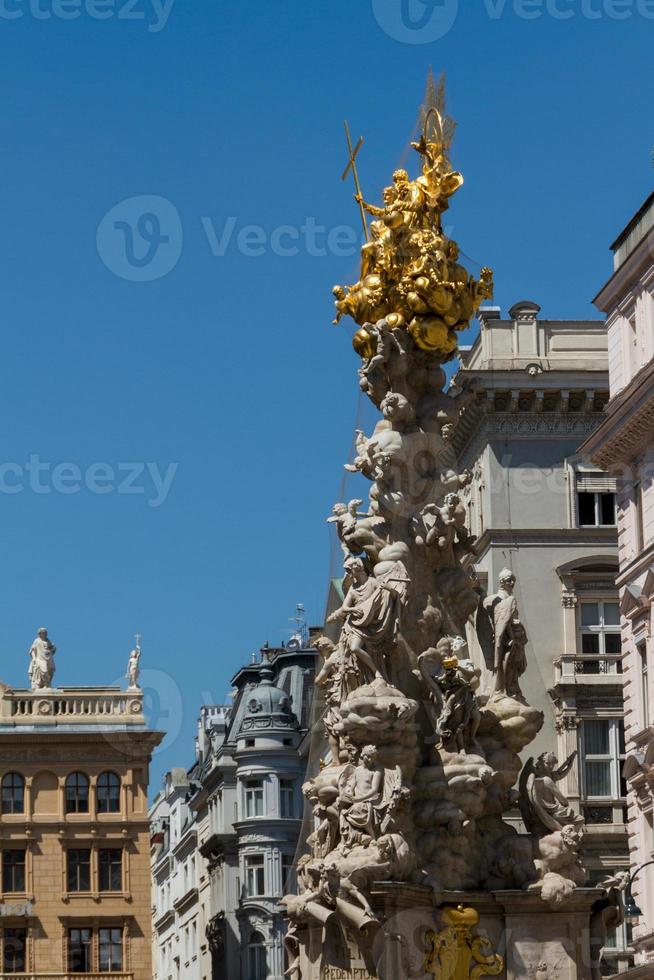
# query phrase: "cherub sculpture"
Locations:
[[363, 461], [345, 517]]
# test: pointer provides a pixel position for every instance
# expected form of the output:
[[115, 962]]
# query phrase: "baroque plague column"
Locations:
[[412, 870]]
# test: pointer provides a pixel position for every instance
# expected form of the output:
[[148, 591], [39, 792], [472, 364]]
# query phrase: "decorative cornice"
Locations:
[[549, 535], [628, 423]]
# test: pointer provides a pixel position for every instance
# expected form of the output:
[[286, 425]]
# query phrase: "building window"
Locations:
[[13, 793], [644, 683], [108, 793], [596, 509], [603, 753], [110, 867], [79, 870], [77, 793], [110, 947], [14, 947], [255, 883], [80, 951], [600, 638], [254, 798], [257, 966], [287, 797], [288, 867], [13, 871]]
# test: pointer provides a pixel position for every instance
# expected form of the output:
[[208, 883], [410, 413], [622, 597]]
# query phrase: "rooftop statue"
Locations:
[[42, 665], [133, 669]]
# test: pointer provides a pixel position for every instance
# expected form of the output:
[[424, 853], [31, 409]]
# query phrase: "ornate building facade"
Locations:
[[225, 833], [624, 445], [74, 831], [538, 508]]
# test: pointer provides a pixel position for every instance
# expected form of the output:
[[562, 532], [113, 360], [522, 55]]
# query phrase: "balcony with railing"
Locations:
[[589, 668], [71, 706]]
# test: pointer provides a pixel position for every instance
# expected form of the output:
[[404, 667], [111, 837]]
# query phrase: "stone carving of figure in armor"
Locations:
[[42, 666], [456, 715]]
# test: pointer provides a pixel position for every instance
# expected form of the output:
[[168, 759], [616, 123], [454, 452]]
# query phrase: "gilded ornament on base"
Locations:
[[457, 954]]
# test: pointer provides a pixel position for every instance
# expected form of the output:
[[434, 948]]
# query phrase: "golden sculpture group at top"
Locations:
[[410, 270]]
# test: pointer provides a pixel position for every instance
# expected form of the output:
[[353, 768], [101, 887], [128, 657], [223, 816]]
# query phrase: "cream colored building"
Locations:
[[539, 508], [624, 444], [74, 834]]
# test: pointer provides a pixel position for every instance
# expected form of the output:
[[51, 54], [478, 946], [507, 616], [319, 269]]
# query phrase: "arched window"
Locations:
[[108, 793], [257, 966], [13, 793], [77, 793]]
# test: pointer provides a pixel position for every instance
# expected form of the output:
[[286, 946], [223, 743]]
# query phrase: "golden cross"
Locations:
[[352, 166]]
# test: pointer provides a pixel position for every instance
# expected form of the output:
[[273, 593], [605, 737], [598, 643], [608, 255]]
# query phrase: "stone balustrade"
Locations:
[[71, 706]]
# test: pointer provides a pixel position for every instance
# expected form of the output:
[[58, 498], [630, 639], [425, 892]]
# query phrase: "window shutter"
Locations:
[[596, 482]]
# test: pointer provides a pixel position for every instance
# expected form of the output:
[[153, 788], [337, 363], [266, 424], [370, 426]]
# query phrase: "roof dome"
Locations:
[[267, 706]]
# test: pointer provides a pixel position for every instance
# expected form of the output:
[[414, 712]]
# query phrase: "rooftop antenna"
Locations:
[[301, 630]]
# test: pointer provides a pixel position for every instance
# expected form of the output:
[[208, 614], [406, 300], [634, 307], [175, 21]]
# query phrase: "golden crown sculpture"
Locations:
[[456, 954], [410, 270]]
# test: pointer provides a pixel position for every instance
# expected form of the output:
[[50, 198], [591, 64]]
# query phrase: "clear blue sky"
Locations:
[[228, 366]]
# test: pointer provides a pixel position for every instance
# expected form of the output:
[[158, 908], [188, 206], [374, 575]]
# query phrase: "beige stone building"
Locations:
[[624, 445], [74, 833]]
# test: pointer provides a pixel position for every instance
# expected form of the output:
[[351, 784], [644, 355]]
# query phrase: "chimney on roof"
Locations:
[[525, 309], [487, 313]]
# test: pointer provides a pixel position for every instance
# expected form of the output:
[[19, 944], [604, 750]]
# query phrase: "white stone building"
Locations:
[[624, 444], [539, 509], [225, 833], [175, 882]]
